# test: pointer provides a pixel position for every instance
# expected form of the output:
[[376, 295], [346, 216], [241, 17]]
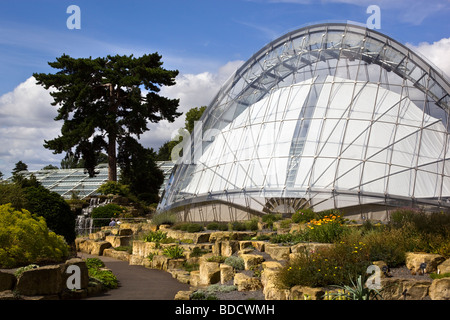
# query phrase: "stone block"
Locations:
[[306, 293], [440, 289], [45, 280], [444, 267], [7, 281], [414, 260], [404, 289], [118, 241], [252, 260], [226, 273], [209, 273], [245, 283], [278, 252]]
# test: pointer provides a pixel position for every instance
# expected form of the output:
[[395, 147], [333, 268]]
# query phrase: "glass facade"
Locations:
[[328, 116]]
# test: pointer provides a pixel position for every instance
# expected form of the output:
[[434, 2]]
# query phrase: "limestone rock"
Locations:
[[309, 247], [160, 262], [251, 260], [306, 293], [183, 295], [209, 273], [229, 247], [414, 260], [246, 283], [194, 279], [226, 273], [404, 289], [444, 267], [278, 252], [271, 265], [97, 247], [120, 255], [84, 275], [175, 263], [118, 241], [7, 281], [440, 289], [45, 280], [270, 289]]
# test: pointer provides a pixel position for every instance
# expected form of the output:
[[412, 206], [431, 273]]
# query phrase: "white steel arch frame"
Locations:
[[356, 111]]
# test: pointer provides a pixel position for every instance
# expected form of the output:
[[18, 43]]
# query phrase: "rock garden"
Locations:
[[310, 256]]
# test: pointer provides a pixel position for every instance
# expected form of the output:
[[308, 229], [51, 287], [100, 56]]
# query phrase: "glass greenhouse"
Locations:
[[332, 115]]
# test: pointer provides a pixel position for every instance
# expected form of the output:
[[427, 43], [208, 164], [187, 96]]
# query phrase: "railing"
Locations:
[[88, 225]]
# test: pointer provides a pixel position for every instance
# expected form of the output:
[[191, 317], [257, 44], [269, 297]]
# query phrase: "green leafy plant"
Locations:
[[174, 252], [155, 236], [236, 262], [103, 214], [356, 291], [105, 277], [113, 187], [221, 226], [26, 239], [219, 259]]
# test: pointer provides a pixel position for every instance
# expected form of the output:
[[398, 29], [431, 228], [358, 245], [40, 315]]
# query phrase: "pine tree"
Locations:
[[101, 102]]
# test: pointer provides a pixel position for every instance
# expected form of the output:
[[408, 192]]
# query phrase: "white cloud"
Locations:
[[26, 120], [437, 52], [26, 117], [193, 90]]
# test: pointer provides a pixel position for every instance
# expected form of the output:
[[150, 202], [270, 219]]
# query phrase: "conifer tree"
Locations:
[[102, 101]]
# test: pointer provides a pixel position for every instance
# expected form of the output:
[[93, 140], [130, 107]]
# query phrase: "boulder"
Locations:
[[414, 260], [444, 267], [7, 281], [119, 241], [175, 263], [259, 245], [229, 247], [306, 293], [160, 262], [251, 260], [271, 265], [278, 252], [404, 289], [183, 295], [440, 289], [270, 289], [226, 273], [209, 273], [97, 247], [143, 248], [194, 279], [120, 255], [230, 235], [84, 274], [182, 276], [45, 280], [309, 247], [245, 283]]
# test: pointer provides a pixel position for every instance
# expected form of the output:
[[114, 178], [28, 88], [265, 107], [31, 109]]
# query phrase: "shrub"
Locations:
[[335, 265], [166, 217], [236, 262], [105, 277], [303, 215], [25, 239], [55, 210], [155, 236], [219, 259], [270, 218], [114, 187], [173, 252], [189, 227], [221, 226], [103, 214]]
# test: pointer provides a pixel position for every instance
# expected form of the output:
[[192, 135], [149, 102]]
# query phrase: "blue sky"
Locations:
[[204, 39]]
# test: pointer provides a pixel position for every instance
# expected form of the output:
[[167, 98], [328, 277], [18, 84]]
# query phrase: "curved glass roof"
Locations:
[[332, 115]]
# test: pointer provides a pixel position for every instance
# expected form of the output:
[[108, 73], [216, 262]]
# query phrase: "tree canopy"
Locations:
[[103, 101]]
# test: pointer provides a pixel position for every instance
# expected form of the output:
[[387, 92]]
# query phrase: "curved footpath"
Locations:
[[137, 282]]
